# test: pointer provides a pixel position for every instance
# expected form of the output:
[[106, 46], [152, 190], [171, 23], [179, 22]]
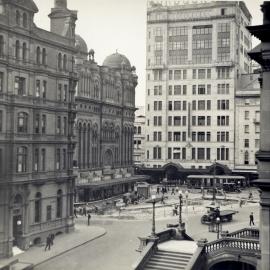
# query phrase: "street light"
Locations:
[[186, 194], [214, 182], [218, 226], [153, 200], [180, 208]]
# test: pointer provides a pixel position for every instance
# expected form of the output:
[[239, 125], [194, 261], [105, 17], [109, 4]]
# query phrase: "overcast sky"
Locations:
[[110, 25]]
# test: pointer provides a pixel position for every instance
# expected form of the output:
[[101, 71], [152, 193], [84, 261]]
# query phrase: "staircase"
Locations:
[[168, 260]]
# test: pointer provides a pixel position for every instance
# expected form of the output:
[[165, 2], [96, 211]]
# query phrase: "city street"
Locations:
[[116, 250]]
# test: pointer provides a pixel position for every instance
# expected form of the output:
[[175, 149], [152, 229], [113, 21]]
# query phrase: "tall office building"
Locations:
[[195, 56]]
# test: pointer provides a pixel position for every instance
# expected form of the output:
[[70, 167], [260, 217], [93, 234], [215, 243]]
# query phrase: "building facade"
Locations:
[[37, 113], [195, 55], [247, 122], [139, 137], [105, 100]]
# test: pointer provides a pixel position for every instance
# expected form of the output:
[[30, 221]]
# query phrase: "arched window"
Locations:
[[59, 203], [18, 17], [21, 159], [38, 207], [25, 20], [59, 61], [38, 55], [44, 57], [24, 51], [65, 62], [18, 199], [1, 46], [22, 124], [17, 49]]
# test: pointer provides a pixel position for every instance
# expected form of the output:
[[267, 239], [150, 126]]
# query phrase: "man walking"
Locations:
[[88, 219], [48, 243], [251, 219]]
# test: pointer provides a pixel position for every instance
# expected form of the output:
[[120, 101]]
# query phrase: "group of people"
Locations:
[[49, 241]]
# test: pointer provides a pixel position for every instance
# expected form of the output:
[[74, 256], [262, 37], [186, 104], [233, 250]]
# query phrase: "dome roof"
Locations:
[[116, 60], [80, 44]]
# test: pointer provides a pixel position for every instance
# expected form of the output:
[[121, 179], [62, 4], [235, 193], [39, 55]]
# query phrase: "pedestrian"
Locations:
[[251, 219], [250, 195], [157, 190], [175, 211], [173, 193], [176, 189], [52, 238], [75, 213], [48, 243], [84, 211], [88, 219]]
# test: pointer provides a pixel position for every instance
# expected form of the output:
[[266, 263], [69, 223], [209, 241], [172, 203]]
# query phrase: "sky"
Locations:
[[110, 25]]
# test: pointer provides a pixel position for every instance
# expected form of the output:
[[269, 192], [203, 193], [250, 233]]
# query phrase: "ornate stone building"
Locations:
[[105, 117], [37, 113]]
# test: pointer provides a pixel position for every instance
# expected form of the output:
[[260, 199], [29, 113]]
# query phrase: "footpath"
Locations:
[[37, 255]]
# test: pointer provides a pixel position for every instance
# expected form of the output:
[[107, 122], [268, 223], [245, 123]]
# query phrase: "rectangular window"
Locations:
[[1, 121], [43, 160], [201, 73], [177, 75], [246, 143], [177, 90], [177, 105], [184, 105], [208, 73], [201, 89], [58, 159], [59, 92], [19, 86], [65, 126], [184, 153], [246, 128], [194, 74], [36, 160], [193, 153], [64, 159], [1, 82], [58, 125], [246, 115], [177, 121], [169, 152], [194, 105], [43, 124], [37, 123], [169, 136], [44, 89], [200, 153], [184, 74], [170, 90], [194, 89], [49, 213], [37, 88], [201, 105], [184, 89], [65, 93], [170, 74]]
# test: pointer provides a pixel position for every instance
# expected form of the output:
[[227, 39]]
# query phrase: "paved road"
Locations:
[[116, 250]]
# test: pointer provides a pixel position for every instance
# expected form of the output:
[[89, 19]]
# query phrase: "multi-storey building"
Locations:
[[247, 122], [195, 53], [37, 113], [105, 101], [139, 137]]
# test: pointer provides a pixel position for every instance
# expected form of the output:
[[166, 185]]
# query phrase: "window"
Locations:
[[58, 159], [18, 17], [222, 153], [44, 56], [17, 49], [177, 90], [1, 121], [246, 143], [201, 74], [184, 89], [183, 153], [43, 123], [24, 51], [246, 158], [43, 160], [246, 115], [223, 104], [25, 20], [36, 160], [223, 72], [177, 121], [59, 61], [194, 89], [223, 120], [59, 92], [65, 62], [21, 159], [157, 152], [49, 213], [208, 121], [194, 74], [208, 73], [257, 143], [38, 54], [65, 126], [246, 128], [64, 159], [58, 125], [19, 86], [177, 75], [177, 105], [22, 125], [200, 153], [2, 46], [201, 89], [184, 105], [201, 105], [169, 152], [37, 88], [44, 89], [170, 74], [65, 93], [36, 123], [59, 203], [38, 207]]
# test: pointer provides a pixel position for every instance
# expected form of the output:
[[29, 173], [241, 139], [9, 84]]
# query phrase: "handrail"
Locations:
[[245, 233], [195, 261], [145, 255], [233, 243]]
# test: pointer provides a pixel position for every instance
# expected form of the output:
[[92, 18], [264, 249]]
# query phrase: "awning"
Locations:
[[237, 177]]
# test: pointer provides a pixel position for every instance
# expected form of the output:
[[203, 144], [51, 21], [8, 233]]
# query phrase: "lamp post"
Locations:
[[218, 226], [153, 200], [180, 208], [214, 182], [186, 194]]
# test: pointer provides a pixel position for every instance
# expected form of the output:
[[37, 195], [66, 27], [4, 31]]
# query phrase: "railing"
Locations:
[[146, 254], [249, 233], [48, 225], [232, 244]]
